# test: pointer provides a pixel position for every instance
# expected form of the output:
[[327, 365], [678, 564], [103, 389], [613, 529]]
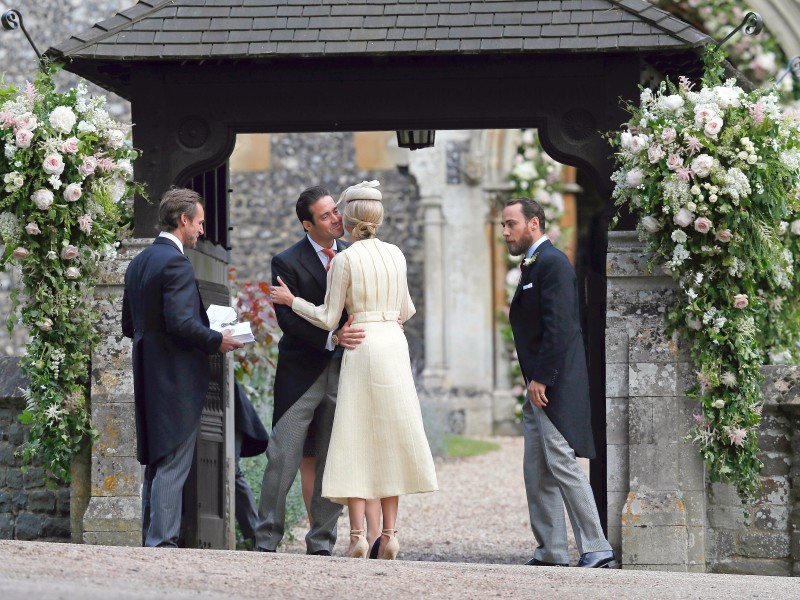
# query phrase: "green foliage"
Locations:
[[64, 172], [713, 176]]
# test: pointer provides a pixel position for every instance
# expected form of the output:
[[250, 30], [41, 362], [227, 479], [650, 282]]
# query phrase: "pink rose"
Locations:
[[724, 235], [26, 121], [740, 301], [70, 146], [85, 224], [713, 127], [73, 192], [668, 135], [105, 165], [24, 138], [674, 162], [69, 252], [655, 154], [72, 273], [20, 252], [46, 325], [53, 164], [703, 225], [32, 229], [88, 166]]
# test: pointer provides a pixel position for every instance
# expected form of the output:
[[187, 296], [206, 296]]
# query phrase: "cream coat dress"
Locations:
[[378, 446]]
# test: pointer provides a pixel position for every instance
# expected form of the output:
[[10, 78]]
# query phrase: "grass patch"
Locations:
[[458, 446]]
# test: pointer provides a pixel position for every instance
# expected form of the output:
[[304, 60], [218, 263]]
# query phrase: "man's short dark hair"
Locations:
[[307, 199], [530, 208], [174, 203]]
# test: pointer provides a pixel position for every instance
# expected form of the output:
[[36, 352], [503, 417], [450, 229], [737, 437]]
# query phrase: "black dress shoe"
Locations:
[[320, 553], [373, 553], [598, 560], [535, 562]]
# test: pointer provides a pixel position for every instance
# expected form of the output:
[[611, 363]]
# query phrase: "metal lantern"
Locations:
[[414, 139]]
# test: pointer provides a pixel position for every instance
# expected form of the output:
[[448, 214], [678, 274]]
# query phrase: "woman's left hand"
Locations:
[[281, 294]]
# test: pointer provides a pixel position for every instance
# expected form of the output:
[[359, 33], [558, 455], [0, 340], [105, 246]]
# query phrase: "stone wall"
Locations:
[[769, 542], [29, 510], [663, 513]]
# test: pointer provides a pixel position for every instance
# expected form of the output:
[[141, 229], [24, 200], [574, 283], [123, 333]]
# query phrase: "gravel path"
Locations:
[[478, 516]]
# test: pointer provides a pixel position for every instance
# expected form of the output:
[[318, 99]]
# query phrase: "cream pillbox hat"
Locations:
[[366, 190]]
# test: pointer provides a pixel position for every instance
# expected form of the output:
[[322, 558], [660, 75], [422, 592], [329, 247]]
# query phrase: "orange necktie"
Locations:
[[330, 253]]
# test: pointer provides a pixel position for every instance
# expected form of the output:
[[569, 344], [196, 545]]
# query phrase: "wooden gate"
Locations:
[[206, 510]]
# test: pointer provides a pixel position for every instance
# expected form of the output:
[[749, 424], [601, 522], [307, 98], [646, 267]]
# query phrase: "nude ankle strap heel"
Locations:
[[361, 547], [392, 546]]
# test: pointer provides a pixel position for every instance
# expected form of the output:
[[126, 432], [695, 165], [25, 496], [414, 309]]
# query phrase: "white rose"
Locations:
[[796, 227], [125, 166], [639, 143], [684, 218], [727, 96], [719, 403], [62, 119], [752, 159], [651, 224], [116, 139], [53, 164], [42, 198], [671, 103], [783, 227], [72, 273], [702, 165], [73, 192], [634, 178], [668, 135], [694, 323]]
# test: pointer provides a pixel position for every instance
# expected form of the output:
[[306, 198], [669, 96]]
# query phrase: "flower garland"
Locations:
[[534, 175], [712, 173], [64, 175]]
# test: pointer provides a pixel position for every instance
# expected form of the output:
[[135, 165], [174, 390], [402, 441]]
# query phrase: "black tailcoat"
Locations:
[[163, 314], [545, 320], [301, 351]]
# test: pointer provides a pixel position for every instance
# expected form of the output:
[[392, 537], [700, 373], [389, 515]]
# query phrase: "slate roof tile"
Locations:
[[219, 28]]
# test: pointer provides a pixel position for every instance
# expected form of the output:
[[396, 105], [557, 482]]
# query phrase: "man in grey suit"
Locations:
[[306, 378], [545, 321], [163, 314]]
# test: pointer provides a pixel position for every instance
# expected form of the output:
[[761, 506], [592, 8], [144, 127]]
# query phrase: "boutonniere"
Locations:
[[529, 261]]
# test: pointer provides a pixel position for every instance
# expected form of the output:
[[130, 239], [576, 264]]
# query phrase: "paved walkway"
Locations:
[[479, 516]]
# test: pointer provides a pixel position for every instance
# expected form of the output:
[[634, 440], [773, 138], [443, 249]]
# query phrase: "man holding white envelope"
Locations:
[[545, 320]]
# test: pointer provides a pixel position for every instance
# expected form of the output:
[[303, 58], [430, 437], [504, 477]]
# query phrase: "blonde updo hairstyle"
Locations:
[[363, 216], [363, 210]]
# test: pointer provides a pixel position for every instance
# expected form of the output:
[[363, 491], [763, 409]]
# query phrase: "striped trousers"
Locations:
[[162, 495], [553, 479]]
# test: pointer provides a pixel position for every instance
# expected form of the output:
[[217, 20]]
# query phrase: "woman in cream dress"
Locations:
[[378, 447]]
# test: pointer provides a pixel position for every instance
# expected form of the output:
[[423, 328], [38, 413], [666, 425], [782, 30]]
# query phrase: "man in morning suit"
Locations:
[[306, 378], [556, 418], [163, 314]]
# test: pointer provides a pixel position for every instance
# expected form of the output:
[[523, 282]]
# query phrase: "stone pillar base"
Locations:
[[113, 521]]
